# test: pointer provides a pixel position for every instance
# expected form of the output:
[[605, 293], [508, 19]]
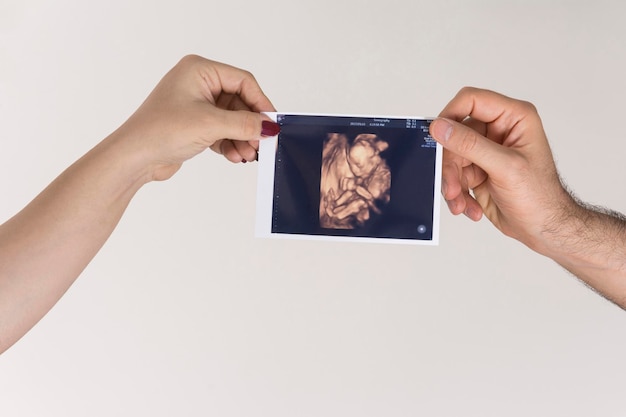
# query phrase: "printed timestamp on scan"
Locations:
[[350, 178]]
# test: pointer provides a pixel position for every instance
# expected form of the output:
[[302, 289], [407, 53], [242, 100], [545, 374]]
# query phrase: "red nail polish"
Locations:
[[269, 128]]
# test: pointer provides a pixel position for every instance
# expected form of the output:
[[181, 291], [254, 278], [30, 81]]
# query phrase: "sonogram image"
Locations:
[[355, 180], [352, 177]]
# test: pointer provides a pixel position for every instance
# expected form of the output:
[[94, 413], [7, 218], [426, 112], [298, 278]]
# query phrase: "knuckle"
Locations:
[[528, 107], [467, 91], [247, 74], [248, 126], [519, 170], [190, 59], [518, 163], [468, 141], [246, 77]]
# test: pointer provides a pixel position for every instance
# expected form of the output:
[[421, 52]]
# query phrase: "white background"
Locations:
[[184, 312]]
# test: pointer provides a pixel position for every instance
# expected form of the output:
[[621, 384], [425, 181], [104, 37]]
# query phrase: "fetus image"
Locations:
[[355, 180]]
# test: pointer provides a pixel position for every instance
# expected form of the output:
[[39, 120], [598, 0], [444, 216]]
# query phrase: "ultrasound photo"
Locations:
[[357, 178]]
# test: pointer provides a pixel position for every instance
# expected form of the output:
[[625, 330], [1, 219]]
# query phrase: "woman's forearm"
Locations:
[[198, 104], [47, 245]]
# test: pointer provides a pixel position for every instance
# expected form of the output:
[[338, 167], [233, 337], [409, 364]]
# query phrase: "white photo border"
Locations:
[[265, 190]]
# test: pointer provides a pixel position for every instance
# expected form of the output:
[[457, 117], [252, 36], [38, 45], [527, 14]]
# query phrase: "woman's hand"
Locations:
[[199, 104]]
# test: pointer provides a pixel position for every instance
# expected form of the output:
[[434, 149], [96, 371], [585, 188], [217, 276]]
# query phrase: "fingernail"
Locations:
[[452, 205], [444, 187], [269, 128], [473, 214], [442, 130]]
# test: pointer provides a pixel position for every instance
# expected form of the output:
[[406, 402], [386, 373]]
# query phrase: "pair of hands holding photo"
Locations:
[[497, 163]]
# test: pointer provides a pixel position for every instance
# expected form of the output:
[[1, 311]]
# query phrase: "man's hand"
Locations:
[[497, 162]]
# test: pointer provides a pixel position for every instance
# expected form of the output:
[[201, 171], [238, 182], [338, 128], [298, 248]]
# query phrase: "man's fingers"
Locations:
[[474, 176], [451, 176], [483, 105], [495, 116], [476, 125], [469, 144]]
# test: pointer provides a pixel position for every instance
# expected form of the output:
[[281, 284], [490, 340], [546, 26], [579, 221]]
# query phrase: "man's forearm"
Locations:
[[591, 243]]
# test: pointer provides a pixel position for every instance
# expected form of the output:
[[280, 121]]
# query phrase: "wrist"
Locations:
[[124, 152], [585, 238], [561, 226]]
